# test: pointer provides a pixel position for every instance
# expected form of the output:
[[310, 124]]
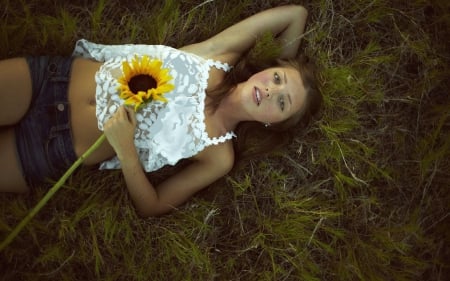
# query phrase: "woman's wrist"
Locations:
[[129, 155]]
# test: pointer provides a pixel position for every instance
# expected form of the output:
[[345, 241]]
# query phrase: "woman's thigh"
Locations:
[[11, 179], [15, 90]]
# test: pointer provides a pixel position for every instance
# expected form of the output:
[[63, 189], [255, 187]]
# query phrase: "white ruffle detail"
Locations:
[[166, 132]]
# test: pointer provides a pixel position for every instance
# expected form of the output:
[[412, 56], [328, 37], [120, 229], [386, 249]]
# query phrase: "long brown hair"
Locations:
[[253, 138]]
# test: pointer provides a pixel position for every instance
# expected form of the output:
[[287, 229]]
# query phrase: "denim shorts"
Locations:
[[44, 136]]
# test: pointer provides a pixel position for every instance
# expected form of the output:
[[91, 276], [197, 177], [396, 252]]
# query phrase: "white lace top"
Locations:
[[166, 132]]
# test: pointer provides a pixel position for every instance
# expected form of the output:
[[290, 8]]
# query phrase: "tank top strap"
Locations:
[[221, 139], [219, 65]]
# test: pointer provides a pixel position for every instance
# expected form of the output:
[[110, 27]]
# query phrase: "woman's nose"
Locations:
[[269, 92]]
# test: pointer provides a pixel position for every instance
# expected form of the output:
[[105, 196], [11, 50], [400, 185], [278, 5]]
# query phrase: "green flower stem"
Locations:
[[51, 192]]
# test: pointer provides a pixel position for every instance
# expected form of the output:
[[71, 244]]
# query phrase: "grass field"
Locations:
[[363, 194]]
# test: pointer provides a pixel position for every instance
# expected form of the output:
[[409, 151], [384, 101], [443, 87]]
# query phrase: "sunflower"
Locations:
[[143, 81]]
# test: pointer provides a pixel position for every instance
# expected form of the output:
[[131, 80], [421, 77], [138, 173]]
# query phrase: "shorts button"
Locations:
[[60, 107]]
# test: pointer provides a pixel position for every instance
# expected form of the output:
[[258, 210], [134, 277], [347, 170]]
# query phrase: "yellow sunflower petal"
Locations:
[[155, 65], [135, 62], [144, 63], [126, 71], [164, 73], [159, 96], [145, 95], [125, 94], [135, 105], [135, 101], [165, 88]]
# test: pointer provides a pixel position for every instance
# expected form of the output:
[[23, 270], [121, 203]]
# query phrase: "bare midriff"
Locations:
[[81, 97]]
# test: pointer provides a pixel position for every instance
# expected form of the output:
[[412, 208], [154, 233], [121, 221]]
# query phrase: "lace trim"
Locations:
[[229, 135], [219, 65]]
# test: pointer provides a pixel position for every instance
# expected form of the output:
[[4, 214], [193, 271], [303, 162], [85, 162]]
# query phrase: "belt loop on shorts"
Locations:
[[56, 67], [52, 68]]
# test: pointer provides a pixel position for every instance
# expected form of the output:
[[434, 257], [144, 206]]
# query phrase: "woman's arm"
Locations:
[[287, 23], [211, 164]]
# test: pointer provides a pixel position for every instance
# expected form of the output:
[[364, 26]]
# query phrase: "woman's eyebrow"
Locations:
[[285, 81]]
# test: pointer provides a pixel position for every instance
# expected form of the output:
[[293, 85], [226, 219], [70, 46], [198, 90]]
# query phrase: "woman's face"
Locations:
[[273, 95]]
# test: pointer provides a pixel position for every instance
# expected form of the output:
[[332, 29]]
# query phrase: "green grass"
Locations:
[[361, 195]]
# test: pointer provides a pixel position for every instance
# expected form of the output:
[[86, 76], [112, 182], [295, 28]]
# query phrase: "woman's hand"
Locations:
[[119, 130]]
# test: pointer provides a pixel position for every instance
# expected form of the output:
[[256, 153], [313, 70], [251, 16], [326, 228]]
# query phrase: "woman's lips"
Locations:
[[257, 96]]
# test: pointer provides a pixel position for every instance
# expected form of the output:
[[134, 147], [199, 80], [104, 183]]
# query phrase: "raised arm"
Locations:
[[287, 23]]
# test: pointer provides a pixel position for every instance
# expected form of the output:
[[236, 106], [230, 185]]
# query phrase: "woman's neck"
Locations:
[[229, 112]]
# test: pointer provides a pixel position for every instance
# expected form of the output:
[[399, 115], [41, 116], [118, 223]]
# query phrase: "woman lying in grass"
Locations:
[[54, 108]]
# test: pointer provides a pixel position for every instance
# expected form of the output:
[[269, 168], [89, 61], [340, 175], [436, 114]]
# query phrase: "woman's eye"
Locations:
[[282, 104], [277, 78]]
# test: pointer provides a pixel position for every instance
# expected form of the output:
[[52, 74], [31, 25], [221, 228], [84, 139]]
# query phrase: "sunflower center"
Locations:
[[141, 82]]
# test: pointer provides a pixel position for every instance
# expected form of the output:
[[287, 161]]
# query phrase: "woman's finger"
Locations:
[[131, 115], [121, 112]]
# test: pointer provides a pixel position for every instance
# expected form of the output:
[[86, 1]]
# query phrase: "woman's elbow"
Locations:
[[301, 11], [143, 214], [154, 211], [148, 214]]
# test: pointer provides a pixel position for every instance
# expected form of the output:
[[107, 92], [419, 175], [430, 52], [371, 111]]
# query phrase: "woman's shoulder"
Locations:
[[220, 156]]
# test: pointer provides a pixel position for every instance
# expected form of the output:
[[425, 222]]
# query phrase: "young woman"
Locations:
[[55, 108]]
